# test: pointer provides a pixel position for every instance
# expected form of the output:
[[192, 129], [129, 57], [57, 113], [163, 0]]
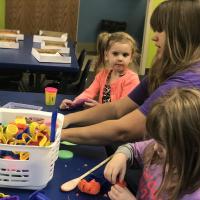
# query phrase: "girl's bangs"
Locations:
[[156, 22], [160, 16]]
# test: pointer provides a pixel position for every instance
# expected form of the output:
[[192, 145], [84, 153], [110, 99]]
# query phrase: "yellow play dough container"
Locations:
[[50, 96]]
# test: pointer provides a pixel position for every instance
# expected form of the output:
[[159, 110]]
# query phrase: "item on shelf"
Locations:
[[9, 42], [46, 44], [12, 33], [50, 55], [50, 35]]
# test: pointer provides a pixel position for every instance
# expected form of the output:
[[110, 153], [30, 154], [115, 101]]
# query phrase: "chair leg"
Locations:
[[22, 86], [31, 80]]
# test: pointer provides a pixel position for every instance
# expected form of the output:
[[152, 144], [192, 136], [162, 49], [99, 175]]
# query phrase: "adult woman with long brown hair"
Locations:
[[177, 64]]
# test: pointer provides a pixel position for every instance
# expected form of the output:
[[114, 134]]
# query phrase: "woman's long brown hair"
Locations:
[[173, 121], [179, 19]]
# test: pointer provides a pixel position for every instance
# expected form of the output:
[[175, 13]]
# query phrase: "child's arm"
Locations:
[[92, 91], [116, 168], [134, 151]]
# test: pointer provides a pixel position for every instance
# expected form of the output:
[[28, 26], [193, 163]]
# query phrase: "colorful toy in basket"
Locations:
[[26, 135], [25, 131]]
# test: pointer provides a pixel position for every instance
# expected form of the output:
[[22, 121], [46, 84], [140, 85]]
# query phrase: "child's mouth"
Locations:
[[118, 65]]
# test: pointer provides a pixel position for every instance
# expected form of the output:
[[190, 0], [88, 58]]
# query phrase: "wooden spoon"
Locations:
[[70, 185]]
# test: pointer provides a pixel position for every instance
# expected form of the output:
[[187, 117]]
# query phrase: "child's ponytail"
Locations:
[[101, 47]]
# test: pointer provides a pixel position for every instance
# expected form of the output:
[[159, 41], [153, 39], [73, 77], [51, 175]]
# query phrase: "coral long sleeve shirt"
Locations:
[[119, 87]]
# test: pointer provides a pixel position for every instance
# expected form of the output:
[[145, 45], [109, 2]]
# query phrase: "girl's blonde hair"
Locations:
[[101, 47], [173, 121], [123, 37], [105, 41], [180, 21]]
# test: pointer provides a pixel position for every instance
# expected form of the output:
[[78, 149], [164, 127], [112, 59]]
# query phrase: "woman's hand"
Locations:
[[90, 103], [115, 170], [120, 193], [66, 103]]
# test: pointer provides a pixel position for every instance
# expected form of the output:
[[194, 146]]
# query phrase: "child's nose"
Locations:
[[120, 57]]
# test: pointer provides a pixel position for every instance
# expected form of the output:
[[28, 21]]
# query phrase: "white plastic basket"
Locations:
[[36, 172]]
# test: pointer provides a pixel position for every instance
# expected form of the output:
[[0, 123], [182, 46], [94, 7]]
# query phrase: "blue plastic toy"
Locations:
[[38, 195], [53, 125]]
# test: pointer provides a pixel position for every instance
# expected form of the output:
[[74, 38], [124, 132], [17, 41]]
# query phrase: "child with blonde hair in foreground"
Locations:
[[115, 80], [170, 160]]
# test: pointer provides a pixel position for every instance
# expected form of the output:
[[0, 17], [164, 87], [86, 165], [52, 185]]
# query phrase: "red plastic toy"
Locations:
[[90, 187], [122, 184]]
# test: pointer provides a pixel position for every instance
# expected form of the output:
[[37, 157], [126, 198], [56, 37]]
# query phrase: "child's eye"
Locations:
[[115, 53], [125, 54]]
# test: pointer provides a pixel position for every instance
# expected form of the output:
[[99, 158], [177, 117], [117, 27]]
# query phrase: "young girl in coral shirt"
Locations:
[[116, 51]]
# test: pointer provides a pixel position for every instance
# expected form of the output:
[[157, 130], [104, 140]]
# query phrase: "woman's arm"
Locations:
[[118, 121], [107, 111], [112, 122]]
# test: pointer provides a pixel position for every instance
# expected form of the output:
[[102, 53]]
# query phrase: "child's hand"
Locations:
[[79, 102], [120, 193], [116, 168], [66, 103], [91, 103]]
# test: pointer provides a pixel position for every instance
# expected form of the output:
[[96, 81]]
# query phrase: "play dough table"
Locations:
[[84, 157]]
